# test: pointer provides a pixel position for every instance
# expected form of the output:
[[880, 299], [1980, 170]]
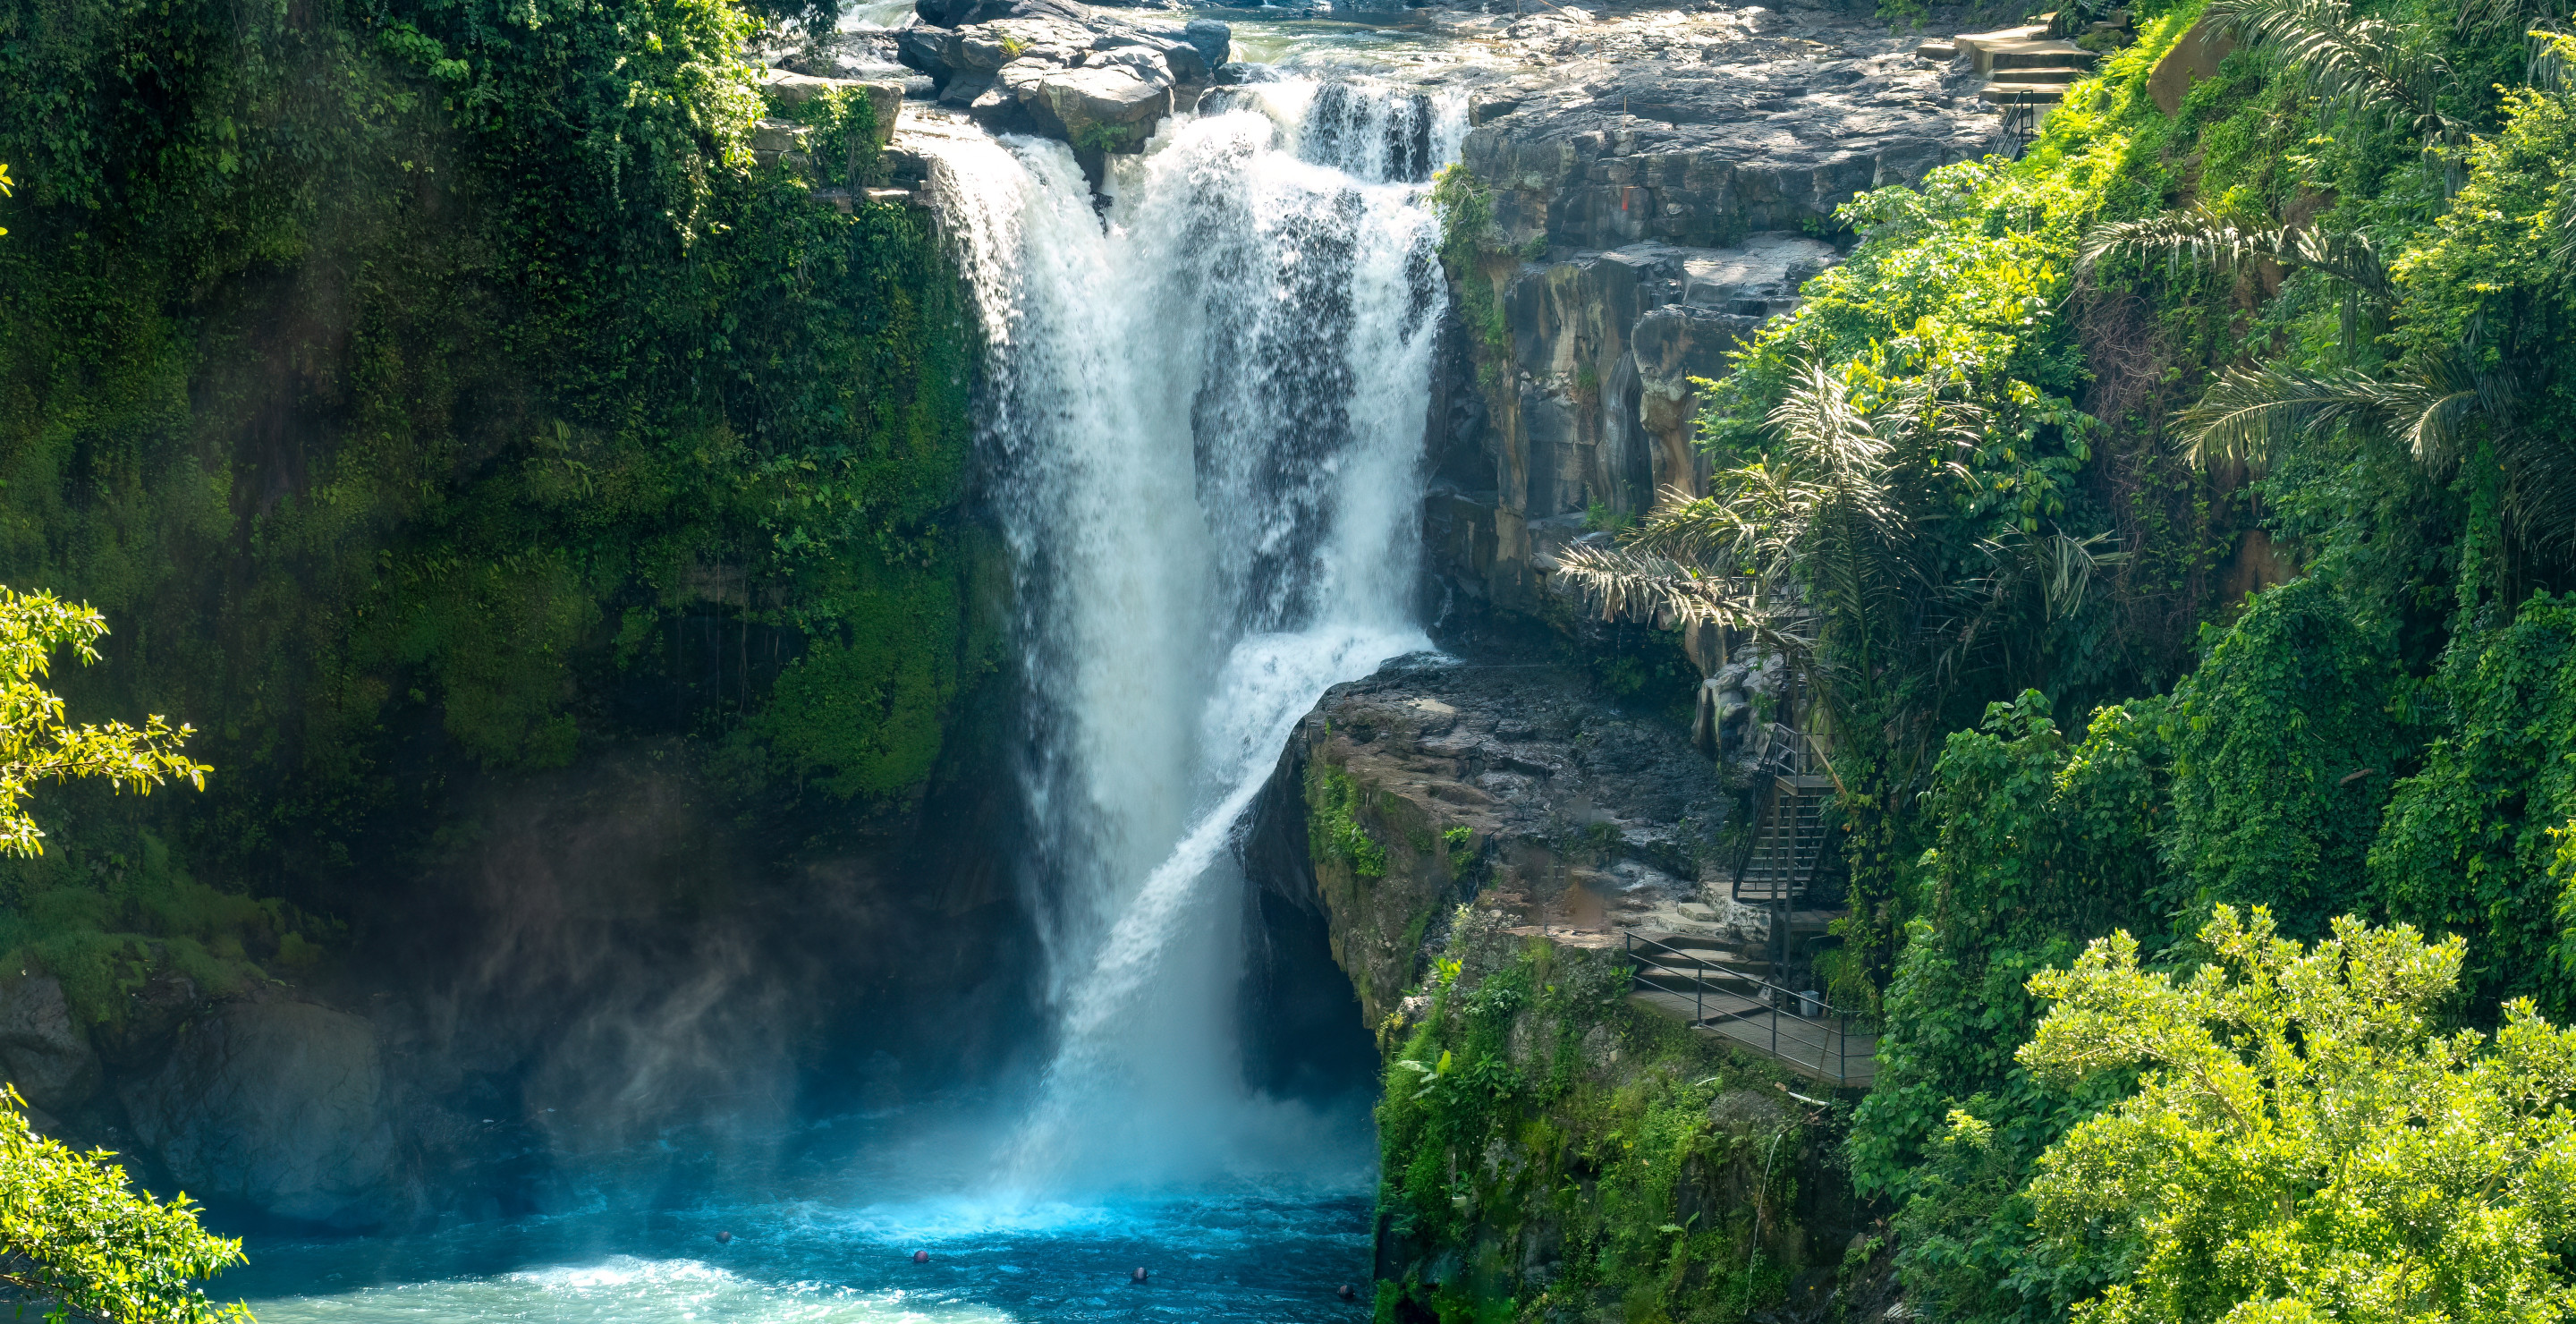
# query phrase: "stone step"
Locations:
[[2029, 76], [1940, 52], [2037, 55], [2021, 94], [1971, 41]]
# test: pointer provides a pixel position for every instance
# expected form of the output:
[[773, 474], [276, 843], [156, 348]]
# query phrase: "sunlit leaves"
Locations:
[[2306, 1142], [38, 745], [75, 1236]]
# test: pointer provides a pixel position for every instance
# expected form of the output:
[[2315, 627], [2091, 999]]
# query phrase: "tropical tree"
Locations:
[[76, 1240], [2304, 1142], [2477, 309], [1816, 552]]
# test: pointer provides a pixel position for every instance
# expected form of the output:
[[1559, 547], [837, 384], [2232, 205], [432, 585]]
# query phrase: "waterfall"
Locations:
[[1204, 412]]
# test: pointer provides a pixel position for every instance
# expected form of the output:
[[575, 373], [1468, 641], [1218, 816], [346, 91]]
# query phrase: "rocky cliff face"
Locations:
[[603, 955], [1478, 838], [1436, 783], [1668, 180]]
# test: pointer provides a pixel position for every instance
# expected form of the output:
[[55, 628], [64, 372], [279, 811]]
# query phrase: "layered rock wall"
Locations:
[[1479, 836], [1667, 183]]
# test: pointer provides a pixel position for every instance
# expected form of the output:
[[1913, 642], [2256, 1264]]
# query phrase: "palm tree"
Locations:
[[1814, 551]]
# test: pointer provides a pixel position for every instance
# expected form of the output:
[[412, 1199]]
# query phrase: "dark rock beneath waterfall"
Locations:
[[959, 13], [1108, 107], [1213, 40], [1517, 783], [1239, 73], [41, 1051], [277, 1105]]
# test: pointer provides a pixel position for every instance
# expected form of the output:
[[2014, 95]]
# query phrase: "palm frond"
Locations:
[[2481, 18], [2251, 411], [2194, 236], [2540, 489], [1628, 585], [1683, 527], [2197, 236], [2342, 58], [2348, 257]]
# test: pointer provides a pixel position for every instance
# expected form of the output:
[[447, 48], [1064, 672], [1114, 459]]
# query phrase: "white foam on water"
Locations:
[[1205, 413]]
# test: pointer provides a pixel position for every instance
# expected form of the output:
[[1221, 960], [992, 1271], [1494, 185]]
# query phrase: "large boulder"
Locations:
[[1214, 40], [885, 96], [1108, 107], [276, 1104], [41, 1051], [959, 13]]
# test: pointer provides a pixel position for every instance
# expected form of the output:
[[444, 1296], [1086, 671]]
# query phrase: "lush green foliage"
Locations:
[[2041, 840], [1333, 829], [2305, 1143], [2372, 330], [1532, 1104], [2467, 846], [440, 386], [2287, 739], [76, 1237]]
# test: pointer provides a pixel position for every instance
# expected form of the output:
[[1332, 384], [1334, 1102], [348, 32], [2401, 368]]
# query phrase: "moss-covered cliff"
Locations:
[[1551, 1149], [431, 392], [1554, 1150]]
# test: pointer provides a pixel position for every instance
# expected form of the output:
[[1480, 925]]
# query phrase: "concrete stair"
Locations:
[[2031, 71]]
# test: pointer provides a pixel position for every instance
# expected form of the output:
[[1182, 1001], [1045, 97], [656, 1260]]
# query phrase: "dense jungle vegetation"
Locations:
[[428, 390], [2004, 483]]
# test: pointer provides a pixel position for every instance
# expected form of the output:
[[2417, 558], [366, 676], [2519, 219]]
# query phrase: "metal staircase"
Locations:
[[1779, 869]]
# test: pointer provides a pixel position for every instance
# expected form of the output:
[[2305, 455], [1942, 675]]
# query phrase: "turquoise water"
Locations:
[[836, 1244], [1245, 1257], [824, 1228]]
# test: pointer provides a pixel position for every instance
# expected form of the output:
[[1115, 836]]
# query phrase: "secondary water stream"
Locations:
[[1203, 412]]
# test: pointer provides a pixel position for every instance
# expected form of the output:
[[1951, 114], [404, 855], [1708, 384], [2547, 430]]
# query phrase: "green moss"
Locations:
[[1534, 1104], [105, 922], [421, 392], [1333, 830]]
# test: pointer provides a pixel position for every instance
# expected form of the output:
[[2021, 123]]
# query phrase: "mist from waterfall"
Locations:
[[1204, 413]]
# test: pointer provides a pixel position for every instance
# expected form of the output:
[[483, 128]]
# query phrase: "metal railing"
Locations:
[[1804, 1030]]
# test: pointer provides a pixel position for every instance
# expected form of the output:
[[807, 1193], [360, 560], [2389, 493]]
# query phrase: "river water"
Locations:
[[838, 1248], [1202, 422]]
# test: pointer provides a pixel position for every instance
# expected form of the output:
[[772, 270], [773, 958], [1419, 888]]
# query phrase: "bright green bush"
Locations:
[[2306, 1143], [76, 1237]]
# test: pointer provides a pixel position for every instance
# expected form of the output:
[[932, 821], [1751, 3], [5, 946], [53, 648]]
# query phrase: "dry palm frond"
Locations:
[[2057, 565], [2197, 236], [2252, 411], [1640, 586], [2482, 18]]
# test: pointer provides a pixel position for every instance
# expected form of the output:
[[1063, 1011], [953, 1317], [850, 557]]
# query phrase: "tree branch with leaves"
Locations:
[[37, 744]]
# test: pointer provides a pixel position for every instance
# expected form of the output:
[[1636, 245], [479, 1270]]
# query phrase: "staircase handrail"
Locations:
[[1781, 1003]]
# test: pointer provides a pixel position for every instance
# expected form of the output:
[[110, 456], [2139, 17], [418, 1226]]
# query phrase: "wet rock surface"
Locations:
[[1513, 786], [1668, 178], [277, 1104], [41, 1051], [1700, 128]]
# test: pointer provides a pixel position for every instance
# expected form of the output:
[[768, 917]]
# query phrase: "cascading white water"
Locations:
[[1206, 418]]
